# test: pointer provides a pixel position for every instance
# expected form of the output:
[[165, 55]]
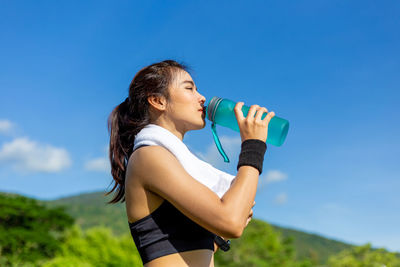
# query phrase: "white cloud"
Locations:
[[281, 199], [271, 176], [98, 165], [274, 176], [29, 156], [6, 126]]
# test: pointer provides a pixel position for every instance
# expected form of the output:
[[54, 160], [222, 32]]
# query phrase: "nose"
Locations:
[[202, 99]]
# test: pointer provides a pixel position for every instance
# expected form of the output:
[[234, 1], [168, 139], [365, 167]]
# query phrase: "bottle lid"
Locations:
[[212, 107]]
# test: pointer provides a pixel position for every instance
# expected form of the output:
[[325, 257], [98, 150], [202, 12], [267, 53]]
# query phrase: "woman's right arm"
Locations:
[[160, 172]]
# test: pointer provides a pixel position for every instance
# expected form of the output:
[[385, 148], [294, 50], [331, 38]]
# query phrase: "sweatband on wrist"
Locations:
[[252, 154]]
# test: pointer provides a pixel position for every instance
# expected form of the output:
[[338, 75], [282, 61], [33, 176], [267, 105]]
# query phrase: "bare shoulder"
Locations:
[[146, 157], [152, 162]]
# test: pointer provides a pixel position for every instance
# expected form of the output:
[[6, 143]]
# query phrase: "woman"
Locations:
[[173, 217]]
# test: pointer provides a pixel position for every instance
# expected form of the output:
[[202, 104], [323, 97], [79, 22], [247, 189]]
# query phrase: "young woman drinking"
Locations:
[[176, 217]]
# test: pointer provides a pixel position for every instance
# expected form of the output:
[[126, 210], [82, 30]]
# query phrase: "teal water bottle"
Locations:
[[221, 111]]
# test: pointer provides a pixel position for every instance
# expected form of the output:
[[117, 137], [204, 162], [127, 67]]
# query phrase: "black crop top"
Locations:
[[166, 231]]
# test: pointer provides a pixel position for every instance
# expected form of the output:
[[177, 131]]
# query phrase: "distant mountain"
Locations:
[[91, 210]]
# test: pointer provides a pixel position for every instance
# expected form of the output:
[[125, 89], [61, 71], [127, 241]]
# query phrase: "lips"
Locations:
[[203, 112]]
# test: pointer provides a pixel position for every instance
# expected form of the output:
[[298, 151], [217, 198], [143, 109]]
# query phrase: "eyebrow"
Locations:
[[192, 83]]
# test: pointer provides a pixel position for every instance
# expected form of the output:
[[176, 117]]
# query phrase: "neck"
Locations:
[[172, 128]]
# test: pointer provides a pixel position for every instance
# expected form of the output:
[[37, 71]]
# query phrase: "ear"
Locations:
[[158, 102]]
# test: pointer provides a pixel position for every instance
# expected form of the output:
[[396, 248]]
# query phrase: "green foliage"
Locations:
[[312, 247], [96, 247], [260, 245], [29, 232], [365, 256], [91, 210]]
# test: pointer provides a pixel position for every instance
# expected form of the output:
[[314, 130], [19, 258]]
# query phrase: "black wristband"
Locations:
[[252, 154]]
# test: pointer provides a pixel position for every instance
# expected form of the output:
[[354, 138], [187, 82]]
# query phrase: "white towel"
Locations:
[[218, 181]]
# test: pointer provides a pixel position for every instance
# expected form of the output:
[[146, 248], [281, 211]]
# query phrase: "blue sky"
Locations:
[[330, 67]]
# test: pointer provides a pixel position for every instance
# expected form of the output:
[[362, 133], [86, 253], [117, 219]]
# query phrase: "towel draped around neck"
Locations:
[[154, 135]]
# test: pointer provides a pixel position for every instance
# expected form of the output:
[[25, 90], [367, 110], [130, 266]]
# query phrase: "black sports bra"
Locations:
[[166, 231]]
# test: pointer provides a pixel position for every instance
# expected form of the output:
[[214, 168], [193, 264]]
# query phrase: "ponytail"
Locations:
[[122, 129], [131, 116]]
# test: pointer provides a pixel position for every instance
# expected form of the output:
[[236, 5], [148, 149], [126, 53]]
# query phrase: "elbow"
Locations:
[[239, 231], [231, 225], [235, 230]]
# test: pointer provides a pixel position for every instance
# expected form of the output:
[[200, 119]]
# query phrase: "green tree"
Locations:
[[365, 256], [259, 245], [29, 232], [96, 247]]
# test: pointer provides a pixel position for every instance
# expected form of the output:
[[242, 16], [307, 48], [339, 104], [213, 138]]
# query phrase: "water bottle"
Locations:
[[221, 111]]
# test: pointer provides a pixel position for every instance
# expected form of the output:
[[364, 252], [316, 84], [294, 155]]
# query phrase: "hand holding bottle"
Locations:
[[224, 112], [253, 126]]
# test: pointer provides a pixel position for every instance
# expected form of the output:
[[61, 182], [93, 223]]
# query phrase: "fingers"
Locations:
[[251, 211], [238, 111], [255, 111], [255, 124], [248, 220], [250, 217], [269, 116], [260, 112], [252, 112]]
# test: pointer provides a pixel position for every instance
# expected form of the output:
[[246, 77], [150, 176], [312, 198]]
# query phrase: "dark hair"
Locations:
[[132, 115]]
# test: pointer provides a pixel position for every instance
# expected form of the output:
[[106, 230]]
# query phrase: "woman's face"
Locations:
[[186, 105]]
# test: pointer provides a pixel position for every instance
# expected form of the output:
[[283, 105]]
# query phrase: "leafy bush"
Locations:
[[260, 245], [365, 256], [96, 247], [29, 232]]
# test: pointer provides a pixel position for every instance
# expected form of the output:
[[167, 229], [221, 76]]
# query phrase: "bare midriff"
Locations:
[[194, 258]]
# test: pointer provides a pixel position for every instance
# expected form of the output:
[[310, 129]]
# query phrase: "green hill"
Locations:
[[312, 246], [91, 210]]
